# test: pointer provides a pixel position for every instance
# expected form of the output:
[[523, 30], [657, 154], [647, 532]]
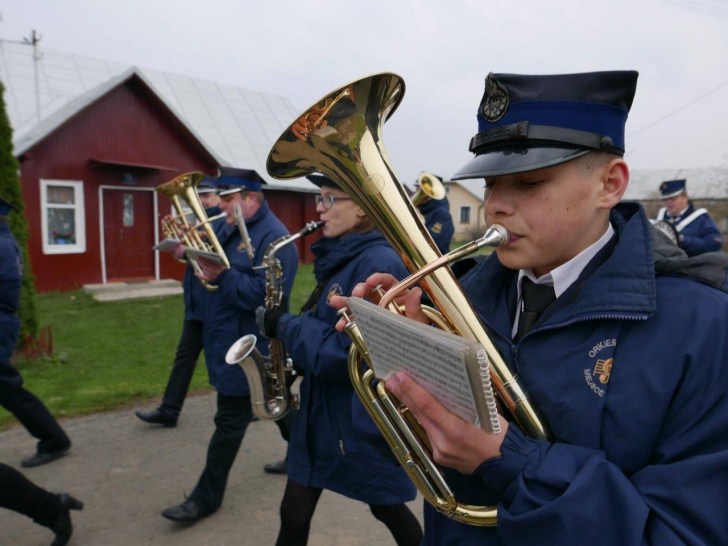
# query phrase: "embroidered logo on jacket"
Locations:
[[601, 371], [436, 227], [335, 290]]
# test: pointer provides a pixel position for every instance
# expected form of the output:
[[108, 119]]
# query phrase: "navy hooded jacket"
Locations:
[[324, 450], [639, 455]]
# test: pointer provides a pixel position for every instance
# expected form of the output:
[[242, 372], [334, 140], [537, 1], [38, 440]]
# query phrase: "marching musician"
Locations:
[[229, 313], [189, 346], [324, 451], [696, 230], [438, 221], [635, 395], [53, 442]]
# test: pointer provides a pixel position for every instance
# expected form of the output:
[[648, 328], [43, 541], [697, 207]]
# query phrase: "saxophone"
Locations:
[[268, 375]]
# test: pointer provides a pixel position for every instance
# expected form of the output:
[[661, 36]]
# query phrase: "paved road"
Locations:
[[127, 472]]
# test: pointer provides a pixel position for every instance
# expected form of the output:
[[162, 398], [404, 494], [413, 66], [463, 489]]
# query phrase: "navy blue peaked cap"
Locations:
[[671, 188], [530, 122], [208, 185], [232, 180], [321, 180]]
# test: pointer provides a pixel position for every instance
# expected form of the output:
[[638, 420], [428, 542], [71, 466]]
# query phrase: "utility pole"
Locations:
[[34, 39]]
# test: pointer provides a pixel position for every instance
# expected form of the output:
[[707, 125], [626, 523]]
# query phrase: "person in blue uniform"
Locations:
[[229, 313], [189, 346], [23, 404], [324, 451], [52, 510], [625, 363], [696, 230], [438, 221]]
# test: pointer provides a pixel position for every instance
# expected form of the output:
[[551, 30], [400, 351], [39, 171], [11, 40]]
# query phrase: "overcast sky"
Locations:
[[442, 48]]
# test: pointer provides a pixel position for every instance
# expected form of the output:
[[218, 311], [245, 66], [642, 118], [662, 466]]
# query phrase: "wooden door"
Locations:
[[128, 234]]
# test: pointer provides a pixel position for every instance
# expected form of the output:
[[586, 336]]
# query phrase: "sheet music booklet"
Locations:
[[196, 253], [452, 368], [166, 245]]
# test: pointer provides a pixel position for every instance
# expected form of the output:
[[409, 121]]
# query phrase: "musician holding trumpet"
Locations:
[[626, 364], [229, 313]]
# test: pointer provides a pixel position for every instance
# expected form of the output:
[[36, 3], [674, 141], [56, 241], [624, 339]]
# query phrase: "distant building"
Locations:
[[95, 138], [466, 208]]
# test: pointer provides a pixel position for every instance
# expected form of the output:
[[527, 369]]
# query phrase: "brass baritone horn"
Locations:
[[345, 145], [200, 235], [429, 187]]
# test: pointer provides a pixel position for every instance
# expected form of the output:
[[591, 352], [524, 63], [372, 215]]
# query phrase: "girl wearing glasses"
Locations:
[[324, 451]]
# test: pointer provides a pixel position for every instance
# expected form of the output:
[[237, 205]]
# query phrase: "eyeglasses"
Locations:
[[327, 201]]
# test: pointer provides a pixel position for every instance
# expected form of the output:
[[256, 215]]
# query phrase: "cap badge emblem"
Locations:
[[496, 99]]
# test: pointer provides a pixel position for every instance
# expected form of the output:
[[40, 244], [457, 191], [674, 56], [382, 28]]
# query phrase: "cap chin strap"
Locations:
[[522, 133]]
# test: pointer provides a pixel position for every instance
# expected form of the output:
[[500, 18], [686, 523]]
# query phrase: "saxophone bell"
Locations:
[[245, 354]]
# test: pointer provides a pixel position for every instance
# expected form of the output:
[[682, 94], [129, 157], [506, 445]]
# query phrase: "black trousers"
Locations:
[[19, 494], [188, 352], [30, 411], [232, 418]]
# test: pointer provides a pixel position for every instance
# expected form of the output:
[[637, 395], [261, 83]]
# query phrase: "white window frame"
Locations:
[[463, 210], [79, 217]]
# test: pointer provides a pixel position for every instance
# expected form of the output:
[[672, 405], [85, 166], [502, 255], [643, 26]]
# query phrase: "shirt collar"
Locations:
[[564, 276]]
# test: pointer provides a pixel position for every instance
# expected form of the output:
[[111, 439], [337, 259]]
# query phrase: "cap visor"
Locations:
[[229, 191], [516, 159]]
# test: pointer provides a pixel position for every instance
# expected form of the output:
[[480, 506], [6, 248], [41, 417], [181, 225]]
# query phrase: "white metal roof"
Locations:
[[237, 126]]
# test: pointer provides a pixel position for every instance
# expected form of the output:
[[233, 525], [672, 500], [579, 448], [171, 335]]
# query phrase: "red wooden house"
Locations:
[[89, 172]]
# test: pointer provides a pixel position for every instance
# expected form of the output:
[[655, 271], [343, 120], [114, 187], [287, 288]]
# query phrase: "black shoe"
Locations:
[[44, 457], [278, 467], [62, 526], [156, 417], [187, 512]]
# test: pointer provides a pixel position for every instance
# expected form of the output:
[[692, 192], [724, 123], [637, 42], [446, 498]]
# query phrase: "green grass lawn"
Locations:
[[113, 354]]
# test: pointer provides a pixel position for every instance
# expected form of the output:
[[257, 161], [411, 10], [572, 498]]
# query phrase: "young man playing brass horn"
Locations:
[[626, 364]]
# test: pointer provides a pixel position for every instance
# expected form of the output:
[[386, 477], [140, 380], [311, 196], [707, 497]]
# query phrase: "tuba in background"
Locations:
[[199, 235], [341, 137], [428, 187], [268, 377]]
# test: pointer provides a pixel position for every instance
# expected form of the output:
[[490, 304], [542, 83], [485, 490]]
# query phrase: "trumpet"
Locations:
[[245, 242], [357, 161]]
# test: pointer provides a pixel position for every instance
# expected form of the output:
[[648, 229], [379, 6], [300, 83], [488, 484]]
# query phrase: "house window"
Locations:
[[128, 210], [464, 215], [62, 217]]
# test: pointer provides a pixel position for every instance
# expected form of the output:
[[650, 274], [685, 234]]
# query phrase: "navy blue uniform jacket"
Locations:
[[699, 235], [438, 222], [323, 450], [193, 290], [639, 455], [230, 310], [10, 274]]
